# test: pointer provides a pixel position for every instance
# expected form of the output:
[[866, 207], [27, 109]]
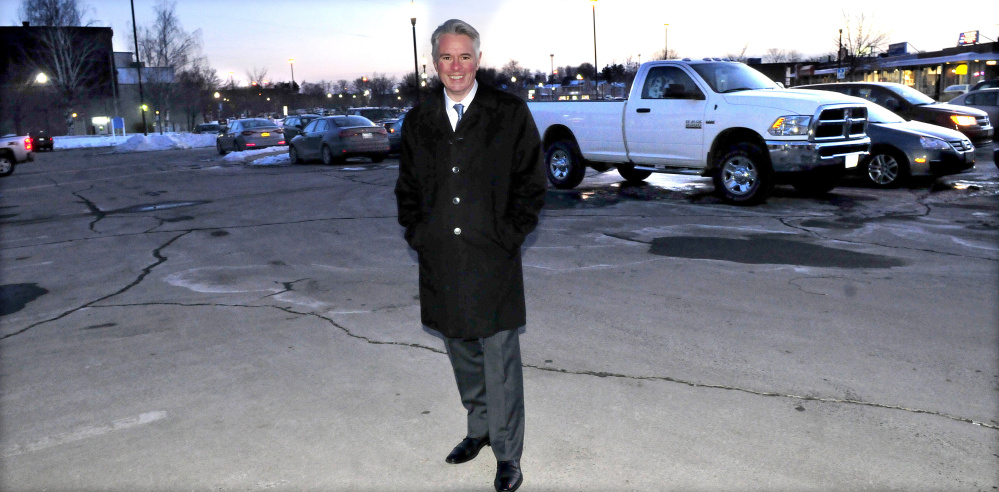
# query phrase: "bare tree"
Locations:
[[660, 55], [67, 57], [256, 76], [740, 57], [196, 86], [777, 55], [860, 38], [54, 13]]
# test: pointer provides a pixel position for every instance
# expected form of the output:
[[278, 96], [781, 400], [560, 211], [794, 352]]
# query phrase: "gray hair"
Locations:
[[454, 26]]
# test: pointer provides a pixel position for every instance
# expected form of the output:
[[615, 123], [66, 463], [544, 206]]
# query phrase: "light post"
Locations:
[[217, 97], [416, 69], [596, 72], [552, 73], [666, 46], [291, 61], [138, 68], [423, 83]]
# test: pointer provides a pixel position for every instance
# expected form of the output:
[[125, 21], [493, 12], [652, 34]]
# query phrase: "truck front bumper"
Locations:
[[789, 157]]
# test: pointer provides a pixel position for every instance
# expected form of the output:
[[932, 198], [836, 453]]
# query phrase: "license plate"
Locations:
[[852, 160], [265, 134], [366, 135]]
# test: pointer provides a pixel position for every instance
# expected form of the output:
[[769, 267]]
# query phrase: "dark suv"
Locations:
[[41, 140], [914, 105], [293, 124]]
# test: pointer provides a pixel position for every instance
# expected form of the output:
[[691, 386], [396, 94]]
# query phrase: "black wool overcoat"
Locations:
[[468, 198]]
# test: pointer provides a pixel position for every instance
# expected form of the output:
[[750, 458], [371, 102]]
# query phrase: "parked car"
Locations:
[[293, 124], [914, 105], [249, 133], [208, 129], [394, 128], [985, 84], [335, 138], [901, 149], [952, 91], [377, 115], [41, 140], [14, 149], [984, 99]]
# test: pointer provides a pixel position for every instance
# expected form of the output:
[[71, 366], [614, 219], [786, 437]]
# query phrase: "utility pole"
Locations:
[[138, 68]]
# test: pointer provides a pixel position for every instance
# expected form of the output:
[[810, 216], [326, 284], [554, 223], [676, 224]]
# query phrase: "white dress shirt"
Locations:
[[449, 103]]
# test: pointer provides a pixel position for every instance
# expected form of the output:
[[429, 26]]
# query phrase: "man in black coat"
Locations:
[[471, 185]]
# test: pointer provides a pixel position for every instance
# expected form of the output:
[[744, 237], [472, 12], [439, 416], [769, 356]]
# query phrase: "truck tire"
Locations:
[[631, 175], [564, 165], [818, 182], [743, 175], [6, 164]]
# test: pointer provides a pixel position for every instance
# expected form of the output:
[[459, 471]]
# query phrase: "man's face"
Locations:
[[456, 64]]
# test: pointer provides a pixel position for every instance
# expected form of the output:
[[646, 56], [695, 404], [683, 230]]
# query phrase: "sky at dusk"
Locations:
[[345, 39]]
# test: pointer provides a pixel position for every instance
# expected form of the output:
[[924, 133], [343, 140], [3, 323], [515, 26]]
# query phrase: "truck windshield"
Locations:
[[731, 77]]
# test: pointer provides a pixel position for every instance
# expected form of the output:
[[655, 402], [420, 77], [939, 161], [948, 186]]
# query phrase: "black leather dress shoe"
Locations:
[[508, 476], [467, 449]]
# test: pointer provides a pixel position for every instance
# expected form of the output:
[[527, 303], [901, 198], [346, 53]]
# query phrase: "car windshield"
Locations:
[[912, 95], [878, 114], [257, 123], [349, 121], [732, 77]]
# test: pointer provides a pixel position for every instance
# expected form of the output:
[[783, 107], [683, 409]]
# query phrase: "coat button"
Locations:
[[457, 231], [456, 200], [454, 169]]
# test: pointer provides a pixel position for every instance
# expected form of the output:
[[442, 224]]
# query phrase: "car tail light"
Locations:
[[247, 133], [250, 144], [281, 142], [279, 130], [382, 131], [28, 144], [346, 133]]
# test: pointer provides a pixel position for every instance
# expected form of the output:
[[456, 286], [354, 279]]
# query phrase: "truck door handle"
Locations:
[[644, 110]]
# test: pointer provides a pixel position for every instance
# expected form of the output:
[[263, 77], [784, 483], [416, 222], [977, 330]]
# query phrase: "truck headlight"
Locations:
[[790, 125], [930, 143]]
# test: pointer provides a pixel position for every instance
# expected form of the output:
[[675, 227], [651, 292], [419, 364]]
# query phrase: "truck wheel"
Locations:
[[631, 175], [564, 165], [818, 181], [743, 176], [886, 169], [6, 164]]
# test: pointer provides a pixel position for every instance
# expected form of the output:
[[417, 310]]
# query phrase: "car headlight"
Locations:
[[930, 143], [790, 125], [961, 120]]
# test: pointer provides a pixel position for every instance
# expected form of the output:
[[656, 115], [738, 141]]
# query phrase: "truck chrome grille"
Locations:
[[840, 122]]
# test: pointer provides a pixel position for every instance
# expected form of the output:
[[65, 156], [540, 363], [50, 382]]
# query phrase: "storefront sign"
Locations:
[[970, 37]]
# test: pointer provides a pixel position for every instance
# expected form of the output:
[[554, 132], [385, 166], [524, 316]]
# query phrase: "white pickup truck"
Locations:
[[709, 117], [14, 150]]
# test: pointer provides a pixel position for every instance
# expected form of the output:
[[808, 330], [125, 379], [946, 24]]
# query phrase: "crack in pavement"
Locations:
[[599, 374], [160, 259]]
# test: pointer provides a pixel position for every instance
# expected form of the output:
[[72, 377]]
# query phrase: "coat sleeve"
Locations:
[[408, 192], [527, 180]]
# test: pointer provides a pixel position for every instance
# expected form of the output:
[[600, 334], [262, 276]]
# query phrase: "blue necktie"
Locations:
[[460, 108]]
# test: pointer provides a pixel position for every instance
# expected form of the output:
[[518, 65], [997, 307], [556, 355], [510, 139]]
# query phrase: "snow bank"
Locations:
[[135, 143], [167, 141], [273, 156]]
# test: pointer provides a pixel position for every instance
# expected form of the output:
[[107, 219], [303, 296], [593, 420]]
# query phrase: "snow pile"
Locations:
[[273, 156], [167, 141], [135, 143]]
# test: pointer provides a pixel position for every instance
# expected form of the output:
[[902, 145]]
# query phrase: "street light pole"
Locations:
[[666, 46], [291, 61], [138, 68], [552, 73], [416, 66], [596, 72]]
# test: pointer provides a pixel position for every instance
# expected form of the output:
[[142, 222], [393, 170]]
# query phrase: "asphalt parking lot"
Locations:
[[173, 321]]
